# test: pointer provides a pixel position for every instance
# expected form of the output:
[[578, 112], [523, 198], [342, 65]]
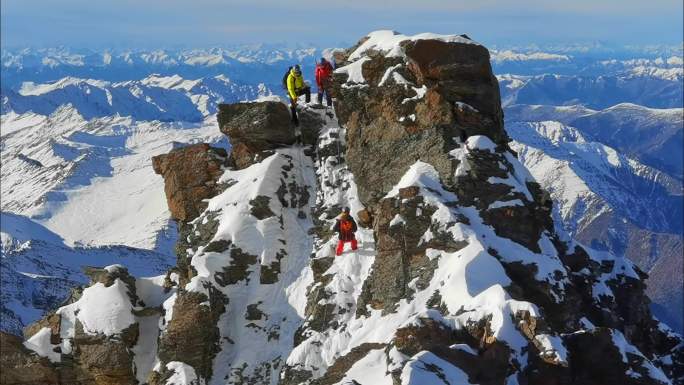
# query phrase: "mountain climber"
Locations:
[[324, 81], [296, 87], [345, 226]]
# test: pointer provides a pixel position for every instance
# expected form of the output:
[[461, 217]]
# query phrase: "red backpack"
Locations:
[[345, 226]]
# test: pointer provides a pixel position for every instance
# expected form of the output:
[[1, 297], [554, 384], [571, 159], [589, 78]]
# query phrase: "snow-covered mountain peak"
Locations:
[[170, 82], [459, 271], [32, 89], [389, 42]]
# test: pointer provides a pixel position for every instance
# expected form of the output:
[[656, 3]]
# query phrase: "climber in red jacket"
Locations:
[[345, 227], [324, 72]]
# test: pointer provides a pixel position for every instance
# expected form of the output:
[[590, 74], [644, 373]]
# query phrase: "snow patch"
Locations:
[[40, 343]]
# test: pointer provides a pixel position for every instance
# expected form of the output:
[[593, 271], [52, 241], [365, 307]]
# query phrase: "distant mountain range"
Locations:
[[152, 98], [603, 135], [654, 136], [255, 64]]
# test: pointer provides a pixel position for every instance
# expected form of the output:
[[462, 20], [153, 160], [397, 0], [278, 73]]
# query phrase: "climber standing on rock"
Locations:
[[345, 226], [324, 72], [295, 88]]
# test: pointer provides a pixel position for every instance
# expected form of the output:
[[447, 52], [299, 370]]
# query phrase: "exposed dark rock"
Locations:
[[254, 313], [190, 176], [382, 142], [310, 124], [269, 273], [107, 361], [218, 246], [400, 255], [238, 269], [594, 360], [489, 365], [255, 129], [192, 335], [463, 74], [260, 208], [20, 366], [292, 376], [365, 218], [190, 237], [414, 339]]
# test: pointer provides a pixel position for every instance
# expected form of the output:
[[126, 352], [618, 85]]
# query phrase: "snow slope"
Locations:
[[89, 183], [90, 180]]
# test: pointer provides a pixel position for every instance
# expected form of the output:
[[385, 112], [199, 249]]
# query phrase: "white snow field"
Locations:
[[88, 182]]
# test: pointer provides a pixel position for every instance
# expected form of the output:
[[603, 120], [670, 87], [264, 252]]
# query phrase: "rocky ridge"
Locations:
[[462, 275]]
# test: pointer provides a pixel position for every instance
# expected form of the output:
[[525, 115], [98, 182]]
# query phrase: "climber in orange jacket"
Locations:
[[345, 227]]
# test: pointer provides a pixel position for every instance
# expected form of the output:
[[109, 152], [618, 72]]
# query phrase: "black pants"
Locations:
[[306, 91], [328, 99], [325, 87]]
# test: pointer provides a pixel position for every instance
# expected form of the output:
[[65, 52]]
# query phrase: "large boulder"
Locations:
[[190, 176], [414, 101], [256, 129]]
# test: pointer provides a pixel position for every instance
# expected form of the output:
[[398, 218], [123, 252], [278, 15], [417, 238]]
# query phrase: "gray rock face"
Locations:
[[399, 258]]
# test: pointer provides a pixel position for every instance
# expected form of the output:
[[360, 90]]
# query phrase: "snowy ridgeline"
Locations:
[[73, 62], [165, 98], [257, 345]]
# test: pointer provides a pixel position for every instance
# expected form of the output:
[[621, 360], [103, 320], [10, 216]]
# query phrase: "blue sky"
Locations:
[[203, 23]]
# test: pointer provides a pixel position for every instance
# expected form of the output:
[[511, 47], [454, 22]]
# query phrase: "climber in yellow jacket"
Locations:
[[296, 87]]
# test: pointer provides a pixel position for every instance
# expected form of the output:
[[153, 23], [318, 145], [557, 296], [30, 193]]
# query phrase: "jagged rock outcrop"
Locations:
[[414, 104], [256, 129], [192, 335], [190, 175]]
